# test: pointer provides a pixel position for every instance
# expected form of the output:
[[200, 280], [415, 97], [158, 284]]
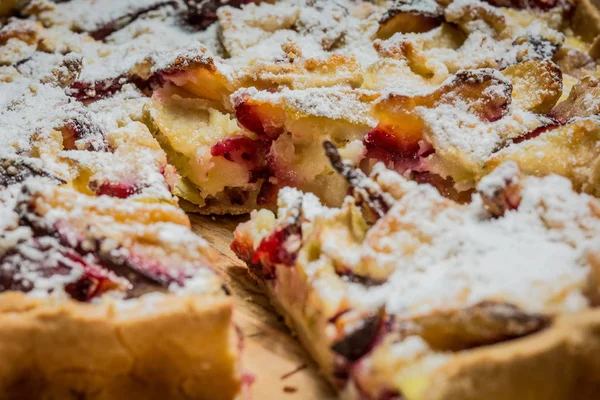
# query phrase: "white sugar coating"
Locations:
[[505, 174], [118, 110], [154, 40], [337, 103], [28, 107], [289, 198], [257, 32], [245, 28], [452, 128], [92, 15], [139, 169], [534, 257], [446, 256]]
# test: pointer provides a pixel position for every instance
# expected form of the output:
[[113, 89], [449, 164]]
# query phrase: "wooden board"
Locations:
[[283, 370]]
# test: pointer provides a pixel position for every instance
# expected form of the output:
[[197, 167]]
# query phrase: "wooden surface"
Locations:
[[283, 370]]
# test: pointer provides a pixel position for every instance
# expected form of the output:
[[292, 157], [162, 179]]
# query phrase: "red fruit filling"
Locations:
[[52, 259], [94, 281], [250, 118], [121, 190], [142, 269], [91, 91], [252, 154], [241, 150], [281, 247], [397, 152]]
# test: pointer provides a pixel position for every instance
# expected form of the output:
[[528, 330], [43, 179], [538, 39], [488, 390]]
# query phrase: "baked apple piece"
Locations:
[[360, 330]]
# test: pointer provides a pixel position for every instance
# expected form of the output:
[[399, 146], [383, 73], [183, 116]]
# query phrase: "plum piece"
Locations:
[[94, 282], [485, 93], [15, 169], [101, 31], [541, 5], [264, 120], [582, 101], [408, 16], [83, 133], [387, 145], [484, 323], [356, 278], [142, 270], [202, 13], [446, 186], [354, 345], [44, 257], [536, 47], [252, 154], [89, 91], [154, 71], [365, 188], [535, 133]]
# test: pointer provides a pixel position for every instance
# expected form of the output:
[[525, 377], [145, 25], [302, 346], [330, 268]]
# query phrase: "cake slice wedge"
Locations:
[[403, 293], [109, 298]]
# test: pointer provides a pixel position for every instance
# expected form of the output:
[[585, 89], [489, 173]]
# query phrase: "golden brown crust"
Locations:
[[163, 348], [561, 362]]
